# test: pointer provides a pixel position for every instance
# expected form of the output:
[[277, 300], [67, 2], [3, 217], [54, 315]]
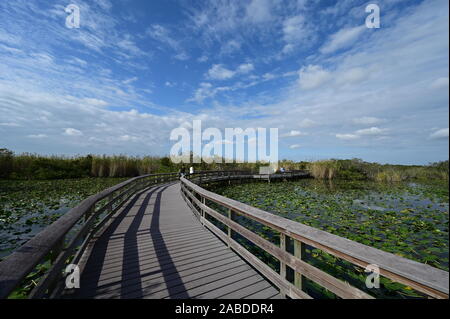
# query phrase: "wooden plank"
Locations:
[[212, 283], [149, 274], [114, 267], [110, 271], [232, 286], [245, 291], [162, 266], [265, 270], [155, 283], [298, 254], [333, 284], [266, 293], [422, 277], [16, 266]]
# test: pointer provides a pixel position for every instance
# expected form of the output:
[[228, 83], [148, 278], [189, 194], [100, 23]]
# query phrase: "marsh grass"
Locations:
[[356, 169], [33, 166]]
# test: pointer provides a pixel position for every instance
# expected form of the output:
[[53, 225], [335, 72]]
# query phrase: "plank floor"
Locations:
[[156, 248]]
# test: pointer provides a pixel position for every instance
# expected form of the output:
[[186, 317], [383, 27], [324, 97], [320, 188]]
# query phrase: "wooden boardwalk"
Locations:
[[154, 247], [149, 237]]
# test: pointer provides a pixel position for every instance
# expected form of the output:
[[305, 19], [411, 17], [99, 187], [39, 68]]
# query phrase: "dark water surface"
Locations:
[[27, 207]]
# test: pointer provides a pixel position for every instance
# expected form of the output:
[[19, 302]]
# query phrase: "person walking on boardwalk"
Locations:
[[182, 171]]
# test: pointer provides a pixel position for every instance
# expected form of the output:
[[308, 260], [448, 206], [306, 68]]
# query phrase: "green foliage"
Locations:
[[6, 162], [406, 219], [32, 166], [356, 169]]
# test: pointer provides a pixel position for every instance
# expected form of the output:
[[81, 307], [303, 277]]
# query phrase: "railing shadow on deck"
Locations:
[[66, 240], [174, 284], [95, 261], [129, 284]]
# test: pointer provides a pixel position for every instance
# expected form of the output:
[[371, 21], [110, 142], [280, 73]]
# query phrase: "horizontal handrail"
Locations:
[[421, 277], [15, 267]]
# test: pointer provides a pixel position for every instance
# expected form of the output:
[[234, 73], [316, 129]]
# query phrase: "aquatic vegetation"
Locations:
[[356, 169], [407, 219], [26, 207]]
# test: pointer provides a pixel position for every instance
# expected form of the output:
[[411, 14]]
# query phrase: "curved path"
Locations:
[[154, 247]]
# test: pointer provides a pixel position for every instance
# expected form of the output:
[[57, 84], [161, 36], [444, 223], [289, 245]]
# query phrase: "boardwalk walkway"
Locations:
[[155, 248]]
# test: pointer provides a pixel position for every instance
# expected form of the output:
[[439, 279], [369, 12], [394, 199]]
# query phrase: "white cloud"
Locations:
[[297, 32], [403, 63], [367, 120], [37, 136], [202, 59], [268, 76], [293, 133], [294, 146], [440, 83], [371, 131], [352, 76], [10, 124], [259, 11], [77, 61], [95, 102], [230, 47], [206, 90], [72, 132], [440, 134], [219, 72], [245, 68], [312, 77], [347, 136], [182, 56], [10, 49], [9, 38], [342, 39], [163, 35], [128, 138], [307, 123], [130, 80], [129, 45]]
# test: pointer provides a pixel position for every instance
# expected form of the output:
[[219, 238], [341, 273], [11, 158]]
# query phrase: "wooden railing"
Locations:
[[205, 176], [67, 238], [428, 280]]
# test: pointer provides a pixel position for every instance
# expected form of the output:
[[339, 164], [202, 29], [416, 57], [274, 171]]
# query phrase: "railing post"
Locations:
[[229, 228], [298, 254], [110, 204], [202, 211], [89, 213], [282, 264]]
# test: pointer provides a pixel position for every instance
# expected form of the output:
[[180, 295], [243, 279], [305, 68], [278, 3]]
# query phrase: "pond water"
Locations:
[[27, 207], [407, 219]]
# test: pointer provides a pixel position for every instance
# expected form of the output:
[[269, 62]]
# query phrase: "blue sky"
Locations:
[[135, 70]]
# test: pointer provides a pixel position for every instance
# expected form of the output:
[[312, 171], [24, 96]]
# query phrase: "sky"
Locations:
[[135, 70]]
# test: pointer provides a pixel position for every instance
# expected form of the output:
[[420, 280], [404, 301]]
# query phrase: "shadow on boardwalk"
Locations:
[[155, 248]]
